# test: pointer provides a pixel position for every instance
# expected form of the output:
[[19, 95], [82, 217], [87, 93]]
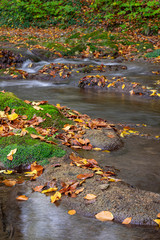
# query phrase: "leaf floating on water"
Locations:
[[104, 216], [9, 183], [56, 197], [157, 221], [72, 212], [90, 196], [22, 198], [127, 220], [85, 176]]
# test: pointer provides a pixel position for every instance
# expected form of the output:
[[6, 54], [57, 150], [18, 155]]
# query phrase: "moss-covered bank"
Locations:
[[28, 148]]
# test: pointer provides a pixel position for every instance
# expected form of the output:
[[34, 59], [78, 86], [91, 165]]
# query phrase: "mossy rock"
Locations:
[[27, 154], [21, 108], [28, 149]]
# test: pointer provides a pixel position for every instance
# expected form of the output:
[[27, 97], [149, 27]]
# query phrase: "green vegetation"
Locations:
[[22, 108], [153, 54], [22, 13], [29, 149]]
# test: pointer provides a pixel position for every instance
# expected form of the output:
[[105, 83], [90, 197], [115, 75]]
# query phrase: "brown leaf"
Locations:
[[37, 167], [37, 136], [85, 176], [9, 183], [127, 220], [22, 198], [104, 216]]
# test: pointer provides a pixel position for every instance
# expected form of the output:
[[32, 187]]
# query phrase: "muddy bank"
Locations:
[[122, 199]]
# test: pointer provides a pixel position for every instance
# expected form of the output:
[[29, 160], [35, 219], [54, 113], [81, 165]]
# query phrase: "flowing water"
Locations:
[[138, 161]]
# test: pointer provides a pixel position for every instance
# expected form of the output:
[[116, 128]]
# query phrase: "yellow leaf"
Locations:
[[123, 86], [55, 197], [90, 196], [78, 120], [99, 172], [72, 212], [96, 149], [12, 116], [8, 172], [157, 221], [49, 190], [31, 173], [106, 151], [104, 216], [127, 220]]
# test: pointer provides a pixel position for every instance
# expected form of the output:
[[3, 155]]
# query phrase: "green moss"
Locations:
[[28, 149], [22, 108], [29, 153], [153, 54]]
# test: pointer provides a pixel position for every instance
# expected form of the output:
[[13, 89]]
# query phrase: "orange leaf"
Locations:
[[127, 220], [90, 196], [10, 157], [50, 190], [158, 215], [72, 212], [85, 176], [22, 198], [79, 190], [104, 216], [9, 183], [38, 188], [37, 167]]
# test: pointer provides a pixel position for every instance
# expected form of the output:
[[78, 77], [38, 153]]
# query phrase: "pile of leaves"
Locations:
[[9, 59], [119, 84]]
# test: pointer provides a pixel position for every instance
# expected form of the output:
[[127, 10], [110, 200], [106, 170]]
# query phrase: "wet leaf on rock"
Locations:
[[72, 212], [9, 183], [22, 198], [85, 176], [90, 196], [127, 220], [104, 216], [56, 197]]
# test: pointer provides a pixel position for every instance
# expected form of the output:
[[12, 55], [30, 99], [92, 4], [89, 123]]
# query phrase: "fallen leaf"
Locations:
[[37, 167], [96, 149], [12, 116], [10, 155], [127, 220], [72, 212], [56, 197], [104, 216], [6, 172], [9, 183], [38, 188], [85, 176], [79, 190], [22, 198], [50, 190], [157, 221], [158, 215], [90, 196], [123, 86]]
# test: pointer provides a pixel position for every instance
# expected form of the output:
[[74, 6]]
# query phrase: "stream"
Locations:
[[138, 161]]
